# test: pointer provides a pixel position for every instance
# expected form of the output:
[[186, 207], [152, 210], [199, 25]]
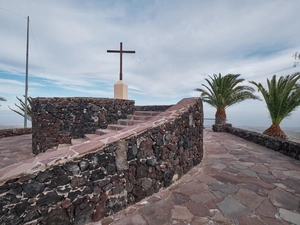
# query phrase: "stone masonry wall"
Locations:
[[286, 147], [14, 132], [58, 120], [106, 180]]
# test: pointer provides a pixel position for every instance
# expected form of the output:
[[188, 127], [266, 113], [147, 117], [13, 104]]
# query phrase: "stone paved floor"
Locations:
[[15, 149], [238, 182]]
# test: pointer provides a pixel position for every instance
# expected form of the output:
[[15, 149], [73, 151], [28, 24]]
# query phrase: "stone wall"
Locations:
[[286, 147], [100, 182], [14, 132], [58, 120]]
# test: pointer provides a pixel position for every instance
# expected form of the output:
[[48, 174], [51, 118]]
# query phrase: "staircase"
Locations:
[[137, 117]]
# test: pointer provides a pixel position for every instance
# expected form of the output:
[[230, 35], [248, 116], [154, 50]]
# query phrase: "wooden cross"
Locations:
[[121, 51]]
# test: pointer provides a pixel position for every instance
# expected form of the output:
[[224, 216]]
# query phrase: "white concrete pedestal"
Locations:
[[120, 90]]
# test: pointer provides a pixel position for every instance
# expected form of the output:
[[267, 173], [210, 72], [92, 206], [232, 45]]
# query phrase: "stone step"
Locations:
[[78, 141], [129, 122], [115, 127], [104, 131], [146, 113], [91, 136], [137, 117]]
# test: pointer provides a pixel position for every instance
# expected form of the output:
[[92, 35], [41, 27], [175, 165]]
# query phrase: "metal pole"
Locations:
[[121, 49], [26, 82]]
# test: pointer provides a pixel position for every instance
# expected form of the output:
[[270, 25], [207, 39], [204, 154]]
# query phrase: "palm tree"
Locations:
[[223, 92], [281, 98], [2, 99], [22, 108]]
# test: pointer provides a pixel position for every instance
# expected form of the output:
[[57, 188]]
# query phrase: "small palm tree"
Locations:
[[22, 108], [281, 98], [223, 92], [2, 99]]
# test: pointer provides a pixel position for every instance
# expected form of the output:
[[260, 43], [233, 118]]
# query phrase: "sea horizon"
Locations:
[[293, 133]]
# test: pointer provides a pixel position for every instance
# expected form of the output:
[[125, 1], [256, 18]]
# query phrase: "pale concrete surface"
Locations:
[[120, 90], [238, 182]]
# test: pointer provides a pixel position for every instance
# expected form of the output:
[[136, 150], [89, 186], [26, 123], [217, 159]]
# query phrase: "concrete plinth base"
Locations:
[[120, 90]]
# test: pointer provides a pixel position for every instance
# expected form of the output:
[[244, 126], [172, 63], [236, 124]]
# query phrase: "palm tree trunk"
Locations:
[[275, 131], [220, 117]]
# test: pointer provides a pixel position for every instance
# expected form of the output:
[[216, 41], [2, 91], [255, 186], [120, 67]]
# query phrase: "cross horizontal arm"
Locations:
[[118, 51]]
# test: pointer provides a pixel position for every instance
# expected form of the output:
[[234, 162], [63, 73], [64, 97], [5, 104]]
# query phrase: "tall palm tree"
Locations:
[[2, 99], [222, 92], [281, 98], [22, 108]]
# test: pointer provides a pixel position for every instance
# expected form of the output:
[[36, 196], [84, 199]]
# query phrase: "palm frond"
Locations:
[[282, 97]]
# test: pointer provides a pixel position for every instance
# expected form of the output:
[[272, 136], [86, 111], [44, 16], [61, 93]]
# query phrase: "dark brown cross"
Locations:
[[121, 51]]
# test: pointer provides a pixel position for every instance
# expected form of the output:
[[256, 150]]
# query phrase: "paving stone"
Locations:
[[249, 198], [181, 213], [203, 197], [250, 220], [292, 183], [178, 198], [200, 221], [232, 208], [272, 221], [130, 220], [224, 188], [260, 168], [290, 216], [266, 209], [284, 199], [268, 178], [197, 209], [157, 213]]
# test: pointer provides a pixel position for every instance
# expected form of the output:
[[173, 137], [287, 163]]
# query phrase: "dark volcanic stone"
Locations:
[[50, 197], [132, 151], [72, 167], [88, 190], [32, 189], [103, 182], [83, 214], [42, 176], [57, 216], [74, 194], [11, 218], [117, 190], [84, 164], [111, 169], [58, 171], [20, 208], [10, 198], [58, 181], [78, 181], [97, 175], [31, 215], [142, 171], [168, 177]]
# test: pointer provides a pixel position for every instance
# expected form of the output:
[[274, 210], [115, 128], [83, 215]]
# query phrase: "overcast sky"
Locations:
[[177, 43]]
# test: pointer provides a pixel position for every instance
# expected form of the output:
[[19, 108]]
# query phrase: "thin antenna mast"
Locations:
[[26, 82]]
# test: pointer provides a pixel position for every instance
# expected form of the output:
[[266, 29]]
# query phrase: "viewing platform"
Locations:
[[237, 182]]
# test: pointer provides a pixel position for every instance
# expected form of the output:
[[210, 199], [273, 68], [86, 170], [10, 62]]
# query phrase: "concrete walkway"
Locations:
[[238, 182]]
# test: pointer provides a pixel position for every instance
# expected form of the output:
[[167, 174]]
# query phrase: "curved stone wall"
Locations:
[[85, 182], [14, 132], [286, 147]]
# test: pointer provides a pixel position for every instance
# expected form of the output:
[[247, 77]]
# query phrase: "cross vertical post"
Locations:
[[121, 56]]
